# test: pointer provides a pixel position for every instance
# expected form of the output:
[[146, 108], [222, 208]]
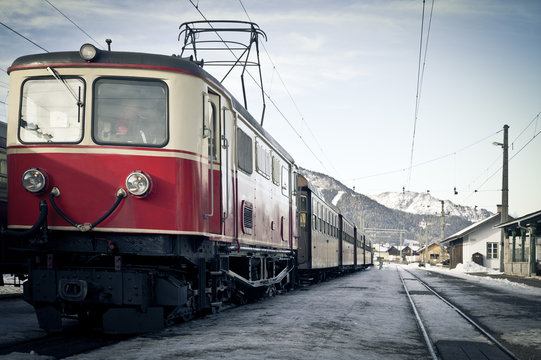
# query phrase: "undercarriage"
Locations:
[[132, 284]]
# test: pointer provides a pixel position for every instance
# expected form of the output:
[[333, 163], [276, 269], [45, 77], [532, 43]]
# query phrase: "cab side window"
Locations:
[[245, 152]]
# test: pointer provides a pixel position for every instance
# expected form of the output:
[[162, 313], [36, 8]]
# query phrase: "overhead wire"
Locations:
[[420, 76], [522, 148], [21, 35], [73, 22], [427, 161], [536, 133], [535, 118], [196, 6], [291, 96]]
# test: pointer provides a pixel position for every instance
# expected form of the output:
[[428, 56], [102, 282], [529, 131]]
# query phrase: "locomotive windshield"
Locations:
[[49, 113], [130, 112]]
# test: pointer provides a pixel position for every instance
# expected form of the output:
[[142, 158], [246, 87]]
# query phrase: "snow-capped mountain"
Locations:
[[410, 217], [426, 204]]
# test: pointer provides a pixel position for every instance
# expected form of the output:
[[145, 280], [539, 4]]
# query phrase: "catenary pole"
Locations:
[[505, 194], [442, 253]]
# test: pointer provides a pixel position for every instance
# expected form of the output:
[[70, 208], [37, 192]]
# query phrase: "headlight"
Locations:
[[88, 52], [138, 183], [34, 180]]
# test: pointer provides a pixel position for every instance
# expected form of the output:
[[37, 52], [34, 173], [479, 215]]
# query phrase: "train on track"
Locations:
[[142, 193]]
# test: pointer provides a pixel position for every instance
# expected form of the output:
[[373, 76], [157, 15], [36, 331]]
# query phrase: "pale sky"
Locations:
[[350, 75]]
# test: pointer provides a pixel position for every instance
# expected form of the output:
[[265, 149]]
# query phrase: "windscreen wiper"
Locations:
[[76, 97]]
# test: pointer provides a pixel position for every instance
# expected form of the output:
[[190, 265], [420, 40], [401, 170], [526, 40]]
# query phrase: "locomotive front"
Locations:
[[113, 170]]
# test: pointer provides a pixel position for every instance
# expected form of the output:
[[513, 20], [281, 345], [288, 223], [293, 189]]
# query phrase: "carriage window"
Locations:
[[130, 112], [244, 152], [303, 204], [263, 159], [50, 112], [313, 210], [285, 181], [275, 170], [212, 141]]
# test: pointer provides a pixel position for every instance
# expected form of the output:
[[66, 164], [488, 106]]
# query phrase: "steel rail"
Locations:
[[419, 321], [467, 318]]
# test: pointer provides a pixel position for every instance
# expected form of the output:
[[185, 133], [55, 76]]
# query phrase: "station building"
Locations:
[[478, 243], [522, 245]]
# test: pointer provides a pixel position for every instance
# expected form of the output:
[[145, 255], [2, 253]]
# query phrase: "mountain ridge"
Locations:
[[377, 217], [426, 204]]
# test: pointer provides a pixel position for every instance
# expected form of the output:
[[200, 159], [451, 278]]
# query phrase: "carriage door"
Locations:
[[227, 150], [213, 135]]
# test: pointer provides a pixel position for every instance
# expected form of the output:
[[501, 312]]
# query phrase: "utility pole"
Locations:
[[442, 253], [504, 216], [426, 242], [505, 192], [401, 247]]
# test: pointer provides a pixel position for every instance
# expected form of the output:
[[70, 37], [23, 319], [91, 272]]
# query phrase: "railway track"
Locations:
[[449, 333]]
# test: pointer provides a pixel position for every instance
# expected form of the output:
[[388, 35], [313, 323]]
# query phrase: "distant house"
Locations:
[[522, 247], [478, 242], [396, 251], [434, 254], [393, 251], [406, 250], [381, 251]]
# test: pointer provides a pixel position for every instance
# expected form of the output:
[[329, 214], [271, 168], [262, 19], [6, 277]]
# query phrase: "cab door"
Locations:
[[212, 133], [227, 172]]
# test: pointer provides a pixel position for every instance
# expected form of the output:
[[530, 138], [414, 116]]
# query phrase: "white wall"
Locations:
[[477, 242]]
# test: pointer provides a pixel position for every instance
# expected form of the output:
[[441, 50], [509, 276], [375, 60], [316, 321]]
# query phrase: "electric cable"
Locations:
[[71, 21], [21, 35], [291, 97], [196, 6], [427, 161], [420, 76], [535, 118], [478, 188]]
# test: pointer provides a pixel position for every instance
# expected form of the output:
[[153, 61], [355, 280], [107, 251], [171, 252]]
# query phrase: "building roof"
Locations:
[[432, 244], [526, 220], [473, 227], [381, 247]]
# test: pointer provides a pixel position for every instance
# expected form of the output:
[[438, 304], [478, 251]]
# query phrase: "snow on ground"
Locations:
[[466, 270], [10, 289], [337, 197], [471, 267]]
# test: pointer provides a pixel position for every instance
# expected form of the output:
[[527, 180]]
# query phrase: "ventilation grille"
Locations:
[[247, 217]]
